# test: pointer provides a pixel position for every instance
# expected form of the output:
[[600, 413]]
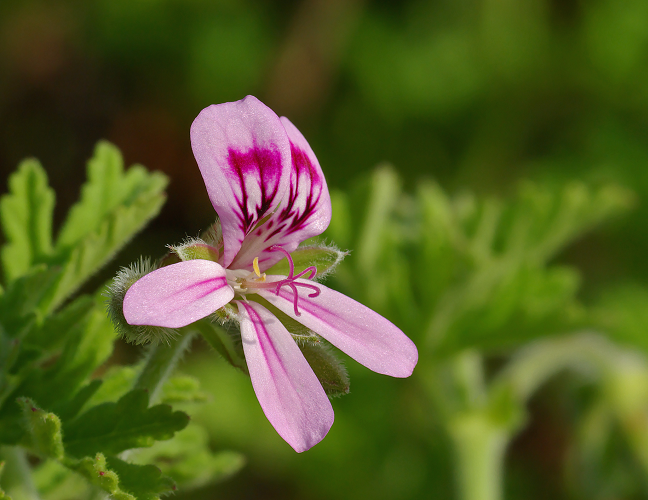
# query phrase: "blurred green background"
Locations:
[[477, 95]]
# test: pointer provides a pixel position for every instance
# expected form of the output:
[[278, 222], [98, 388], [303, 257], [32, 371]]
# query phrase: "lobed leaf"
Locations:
[[97, 247], [19, 304], [188, 459], [43, 428], [107, 188], [114, 427], [144, 482], [26, 216], [182, 389]]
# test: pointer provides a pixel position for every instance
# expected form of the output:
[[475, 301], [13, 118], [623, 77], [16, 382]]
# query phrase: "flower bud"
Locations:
[[196, 249]]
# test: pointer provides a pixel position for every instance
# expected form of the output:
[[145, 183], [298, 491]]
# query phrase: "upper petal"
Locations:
[[177, 295], [352, 327], [290, 395], [304, 211], [244, 156]]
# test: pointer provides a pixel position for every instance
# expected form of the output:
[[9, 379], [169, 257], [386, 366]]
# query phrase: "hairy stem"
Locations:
[[160, 361]]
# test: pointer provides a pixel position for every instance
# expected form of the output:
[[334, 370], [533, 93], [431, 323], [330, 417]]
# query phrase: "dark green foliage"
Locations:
[[187, 458], [115, 427], [460, 272], [50, 345], [26, 215]]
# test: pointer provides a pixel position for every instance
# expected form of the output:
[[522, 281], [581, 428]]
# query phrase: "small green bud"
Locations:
[[214, 235], [135, 334], [97, 472], [44, 429], [196, 249]]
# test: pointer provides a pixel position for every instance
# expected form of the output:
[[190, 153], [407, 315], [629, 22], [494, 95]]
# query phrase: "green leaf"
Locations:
[[68, 409], [96, 471], [114, 206], [117, 381], [85, 349], [64, 324], [120, 379], [44, 429], [114, 427], [83, 352], [182, 389], [144, 482], [54, 481], [18, 305], [188, 459], [123, 480], [107, 188], [98, 247], [26, 215]]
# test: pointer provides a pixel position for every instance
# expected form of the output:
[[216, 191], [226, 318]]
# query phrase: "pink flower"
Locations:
[[268, 189]]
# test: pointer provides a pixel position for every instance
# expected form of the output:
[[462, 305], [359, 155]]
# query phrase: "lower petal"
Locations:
[[290, 395], [177, 295], [350, 326]]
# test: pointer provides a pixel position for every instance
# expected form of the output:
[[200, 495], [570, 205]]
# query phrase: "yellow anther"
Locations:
[[255, 265]]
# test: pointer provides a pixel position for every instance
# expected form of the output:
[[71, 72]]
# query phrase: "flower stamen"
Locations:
[[257, 280], [255, 265], [290, 280]]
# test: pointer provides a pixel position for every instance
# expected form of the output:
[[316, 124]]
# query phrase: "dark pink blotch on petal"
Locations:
[[304, 211], [288, 391], [244, 156], [352, 327], [308, 207], [261, 167], [177, 295]]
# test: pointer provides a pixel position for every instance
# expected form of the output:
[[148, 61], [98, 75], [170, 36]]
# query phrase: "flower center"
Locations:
[[256, 280]]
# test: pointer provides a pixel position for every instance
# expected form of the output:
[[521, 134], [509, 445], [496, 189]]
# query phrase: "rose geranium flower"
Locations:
[[269, 192]]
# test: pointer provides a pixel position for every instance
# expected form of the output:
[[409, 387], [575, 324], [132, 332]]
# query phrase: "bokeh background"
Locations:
[[475, 94]]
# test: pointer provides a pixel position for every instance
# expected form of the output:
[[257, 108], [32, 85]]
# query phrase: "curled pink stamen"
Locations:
[[290, 280]]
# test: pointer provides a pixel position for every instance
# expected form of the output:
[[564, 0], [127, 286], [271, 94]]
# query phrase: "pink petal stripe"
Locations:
[[304, 212], [177, 295], [353, 328], [290, 395], [244, 157]]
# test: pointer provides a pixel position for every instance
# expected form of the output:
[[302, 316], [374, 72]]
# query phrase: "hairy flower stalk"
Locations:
[[269, 192]]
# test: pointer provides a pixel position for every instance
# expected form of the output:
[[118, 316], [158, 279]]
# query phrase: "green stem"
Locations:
[[160, 361], [17, 478], [480, 447]]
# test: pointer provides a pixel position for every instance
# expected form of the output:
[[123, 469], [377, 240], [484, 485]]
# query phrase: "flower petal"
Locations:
[[287, 389], [304, 212], [353, 328], [244, 156], [177, 295]]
